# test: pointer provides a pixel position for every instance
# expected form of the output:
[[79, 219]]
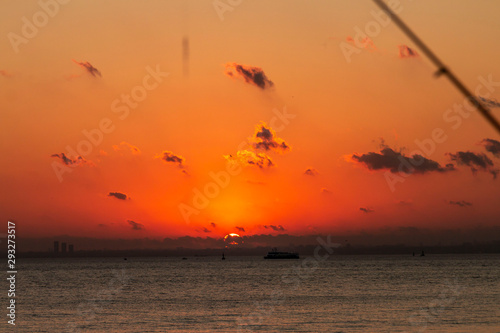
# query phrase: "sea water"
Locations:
[[435, 293]]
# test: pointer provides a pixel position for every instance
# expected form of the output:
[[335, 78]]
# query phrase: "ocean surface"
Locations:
[[435, 293]]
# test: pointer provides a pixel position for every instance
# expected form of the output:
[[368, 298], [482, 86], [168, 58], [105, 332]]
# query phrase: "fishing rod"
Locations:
[[442, 69]]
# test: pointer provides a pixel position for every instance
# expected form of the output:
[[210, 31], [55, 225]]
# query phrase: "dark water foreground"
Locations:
[[435, 293]]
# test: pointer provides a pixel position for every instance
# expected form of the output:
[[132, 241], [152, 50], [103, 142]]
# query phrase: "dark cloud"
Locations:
[[252, 75], [170, 157], [265, 139], [68, 160], [205, 230], [394, 161], [471, 159], [476, 161], [249, 158], [460, 203], [240, 229], [91, 69], [493, 146], [213, 225], [311, 172], [366, 210], [118, 195], [492, 103], [136, 225], [404, 51], [275, 228]]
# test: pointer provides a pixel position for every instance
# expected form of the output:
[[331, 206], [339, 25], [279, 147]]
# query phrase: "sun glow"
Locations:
[[231, 235], [232, 239]]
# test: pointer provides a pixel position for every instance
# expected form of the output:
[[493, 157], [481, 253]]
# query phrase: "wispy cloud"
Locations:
[[275, 227], [476, 161], [136, 225], [127, 146], [240, 229], [252, 75], [68, 160], [90, 69], [366, 210], [460, 203], [364, 43], [118, 195]]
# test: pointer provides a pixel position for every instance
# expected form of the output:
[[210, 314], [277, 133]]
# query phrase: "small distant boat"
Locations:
[[275, 254]]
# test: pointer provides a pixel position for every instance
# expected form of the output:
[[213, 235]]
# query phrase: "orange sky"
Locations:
[[247, 65]]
